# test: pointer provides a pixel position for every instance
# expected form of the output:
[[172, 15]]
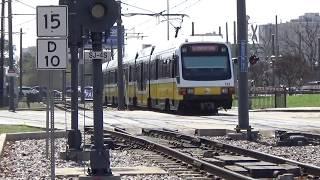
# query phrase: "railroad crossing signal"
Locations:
[[52, 53], [52, 21]]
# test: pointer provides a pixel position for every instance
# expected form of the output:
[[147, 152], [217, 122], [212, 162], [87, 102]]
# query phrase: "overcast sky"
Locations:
[[208, 15]]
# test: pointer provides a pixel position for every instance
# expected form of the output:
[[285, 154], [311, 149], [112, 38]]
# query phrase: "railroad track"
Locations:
[[200, 158], [67, 107]]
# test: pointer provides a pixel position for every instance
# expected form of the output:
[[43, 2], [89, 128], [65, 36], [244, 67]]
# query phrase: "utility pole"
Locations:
[[11, 79], [277, 39], [227, 33], [243, 67], [2, 54], [272, 60], [168, 23], [234, 33], [20, 62], [120, 68], [192, 29]]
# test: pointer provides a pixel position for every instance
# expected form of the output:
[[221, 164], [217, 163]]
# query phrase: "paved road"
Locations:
[[134, 120]]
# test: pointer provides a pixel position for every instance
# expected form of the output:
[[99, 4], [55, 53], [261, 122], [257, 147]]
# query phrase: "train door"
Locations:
[[174, 84], [156, 85], [145, 81]]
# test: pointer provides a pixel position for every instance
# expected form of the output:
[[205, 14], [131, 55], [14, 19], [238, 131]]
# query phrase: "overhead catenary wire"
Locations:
[[28, 5], [161, 13]]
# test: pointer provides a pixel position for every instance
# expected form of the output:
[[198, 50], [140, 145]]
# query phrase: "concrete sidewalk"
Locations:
[[291, 109]]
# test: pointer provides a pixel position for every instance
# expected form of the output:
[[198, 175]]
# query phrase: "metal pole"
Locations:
[[192, 29], [74, 135], [52, 159], [120, 68], [243, 65], [63, 85], [272, 44], [11, 79], [227, 33], [74, 139], [168, 23], [234, 33], [2, 55], [277, 39], [220, 30], [81, 75], [20, 62], [272, 60], [99, 156], [48, 118], [74, 86]]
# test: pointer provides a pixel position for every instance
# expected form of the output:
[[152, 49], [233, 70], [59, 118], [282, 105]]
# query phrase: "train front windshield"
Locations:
[[205, 62]]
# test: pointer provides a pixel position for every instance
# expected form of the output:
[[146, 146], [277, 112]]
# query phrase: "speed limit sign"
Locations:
[[52, 54], [52, 21]]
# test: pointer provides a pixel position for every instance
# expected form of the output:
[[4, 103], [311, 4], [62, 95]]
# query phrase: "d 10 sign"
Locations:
[[52, 53]]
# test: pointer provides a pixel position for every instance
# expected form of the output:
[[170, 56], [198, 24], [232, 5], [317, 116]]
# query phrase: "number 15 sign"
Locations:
[[52, 21]]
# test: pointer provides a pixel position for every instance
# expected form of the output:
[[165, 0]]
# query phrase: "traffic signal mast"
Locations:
[[96, 16]]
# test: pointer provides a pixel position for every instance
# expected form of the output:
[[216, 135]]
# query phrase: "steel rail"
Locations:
[[307, 168], [210, 168]]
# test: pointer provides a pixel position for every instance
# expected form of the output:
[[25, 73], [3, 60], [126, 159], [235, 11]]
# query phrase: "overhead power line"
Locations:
[[28, 5]]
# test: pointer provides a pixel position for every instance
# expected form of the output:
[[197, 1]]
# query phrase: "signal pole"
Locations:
[[243, 109], [11, 79], [74, 41], [2, 54], [120, 67]]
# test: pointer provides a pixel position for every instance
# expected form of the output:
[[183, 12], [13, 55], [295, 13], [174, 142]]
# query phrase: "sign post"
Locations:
[[52, 22]]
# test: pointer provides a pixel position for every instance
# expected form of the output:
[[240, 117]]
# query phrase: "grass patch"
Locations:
[[4, 128], [300, 100], [305, 100]]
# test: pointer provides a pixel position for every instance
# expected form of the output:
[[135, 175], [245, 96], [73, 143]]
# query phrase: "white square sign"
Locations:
[[52, 54], [52, 21]]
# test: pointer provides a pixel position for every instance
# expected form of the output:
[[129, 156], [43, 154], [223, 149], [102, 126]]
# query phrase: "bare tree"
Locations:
[[301, 38], [291, 70]]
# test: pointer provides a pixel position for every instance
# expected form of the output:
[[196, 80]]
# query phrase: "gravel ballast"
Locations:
[[305, 154], [27, 160]]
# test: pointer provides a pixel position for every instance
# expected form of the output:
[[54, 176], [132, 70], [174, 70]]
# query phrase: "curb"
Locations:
[[2, 143], [23, 136], [286, 110]]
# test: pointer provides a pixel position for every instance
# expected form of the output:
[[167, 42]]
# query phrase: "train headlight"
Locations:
[[224, 91]]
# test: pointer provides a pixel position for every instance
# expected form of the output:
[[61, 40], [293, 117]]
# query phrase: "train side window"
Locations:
[[161, 65], [167, 68], [145, 75], [141, 76], [130, 73], [157, 69], [138, 75]]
